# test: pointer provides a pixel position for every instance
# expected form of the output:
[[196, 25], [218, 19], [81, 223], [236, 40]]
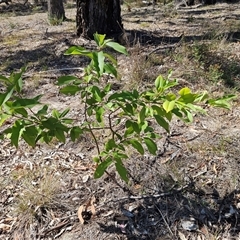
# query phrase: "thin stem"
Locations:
[[110, 122], [89, 126]]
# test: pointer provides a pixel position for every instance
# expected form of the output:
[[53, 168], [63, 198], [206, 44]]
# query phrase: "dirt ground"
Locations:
[[190, 190]]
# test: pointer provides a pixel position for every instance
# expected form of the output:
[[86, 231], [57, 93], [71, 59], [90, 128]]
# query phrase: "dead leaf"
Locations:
[[214, 169], [84, 209], [204, 230], [165, 160], [108, 213], [181, 236], [85, 178], [79, 213], [93, 210], [5, 227], [88, 204], [137, 186]]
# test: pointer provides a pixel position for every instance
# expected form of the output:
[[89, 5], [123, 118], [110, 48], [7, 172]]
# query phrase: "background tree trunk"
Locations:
[[102, 16], [56, 10]]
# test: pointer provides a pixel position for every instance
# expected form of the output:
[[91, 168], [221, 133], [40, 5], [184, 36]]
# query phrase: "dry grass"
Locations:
[[37, 189]]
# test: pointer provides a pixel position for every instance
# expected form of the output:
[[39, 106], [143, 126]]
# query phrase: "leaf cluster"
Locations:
[[124, 117]]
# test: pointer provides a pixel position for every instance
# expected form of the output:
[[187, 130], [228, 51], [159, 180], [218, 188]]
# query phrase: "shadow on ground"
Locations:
[[178, 213], [45, 57]]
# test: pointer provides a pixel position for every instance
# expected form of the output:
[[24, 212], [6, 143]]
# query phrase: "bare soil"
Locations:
[[190, 190]]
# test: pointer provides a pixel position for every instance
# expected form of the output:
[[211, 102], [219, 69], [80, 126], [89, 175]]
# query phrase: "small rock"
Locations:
[[189, 225]]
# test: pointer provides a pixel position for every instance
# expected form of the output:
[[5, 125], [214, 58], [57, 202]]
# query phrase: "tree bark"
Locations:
[[102, 16], [56, 10]]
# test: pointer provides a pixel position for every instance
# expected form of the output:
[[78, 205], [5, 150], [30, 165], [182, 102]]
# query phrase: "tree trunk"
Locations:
[[56, 10], [102, 16]]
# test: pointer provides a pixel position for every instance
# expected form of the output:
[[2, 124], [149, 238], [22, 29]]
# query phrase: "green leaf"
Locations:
[[168, 106], [188, 114], [89, 111], [184, 91], [66, 79], [3, 118], [177, 113], [18, 79], [161, 112], [72, 90], [99, 114], [170, 97], [26, 102], [201, 97], [5, 79], [59, 133], [77, 50], [42, 111], [55, 113], [117, 47], [4, 97], [75, 132], [94, 63], [187, 98], [30, 135], [110, 145], [101, 58], [50, 123], [96, 159], [222, 102], [21, 111], [45, 136], [133, 125], [102, 167], [142, 115], [67, 120], [159, 82], [158, 110], [91, 101], [195, 108], [123, 96], [111, 58], [128, 109], [64, 113], [99, 39], [137, 145], [109, 68], [97, 95], [107, 88], [61, 126], [122, 171], [18, 84], [152, 135], [17, 130], [162, 122], [119, 155], [135, 94], [143, 126], [151, 145]]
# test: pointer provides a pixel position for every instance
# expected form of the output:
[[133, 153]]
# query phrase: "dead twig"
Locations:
[[164, 194], [57, 227], [167, 225]]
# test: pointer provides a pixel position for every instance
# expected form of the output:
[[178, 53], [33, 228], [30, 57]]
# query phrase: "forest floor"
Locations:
[[190, 190]]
